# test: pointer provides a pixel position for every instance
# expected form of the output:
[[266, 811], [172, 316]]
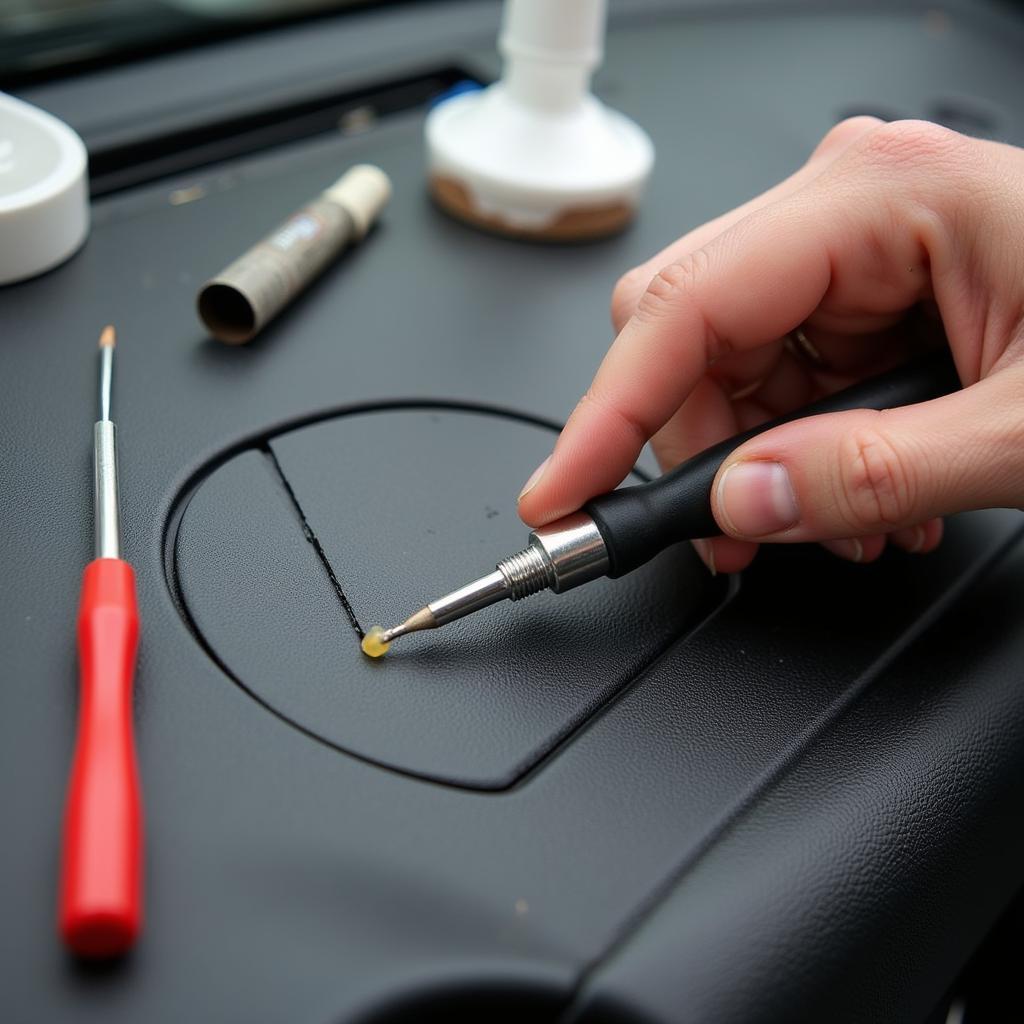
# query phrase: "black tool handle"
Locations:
[[638, 522]]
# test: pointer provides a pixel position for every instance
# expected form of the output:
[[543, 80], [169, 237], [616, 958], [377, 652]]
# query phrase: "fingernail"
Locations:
[[910, 539], [756, 499], [747, 390], [534, 479], [852, 550], [706, 553]]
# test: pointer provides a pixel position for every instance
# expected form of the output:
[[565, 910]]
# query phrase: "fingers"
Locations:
[[856, 549], [857, 240], [633, 283], [861, 474], [915, 540], [748, 287], [705, 418], [919, 539], [723, 296]]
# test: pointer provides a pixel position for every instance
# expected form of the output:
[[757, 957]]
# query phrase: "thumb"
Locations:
[[865, 472]]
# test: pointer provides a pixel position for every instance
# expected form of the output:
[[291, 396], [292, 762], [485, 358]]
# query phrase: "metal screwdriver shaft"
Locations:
[[107, 517]]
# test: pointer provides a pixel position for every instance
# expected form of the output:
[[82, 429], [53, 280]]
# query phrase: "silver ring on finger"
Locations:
[[798, 344]]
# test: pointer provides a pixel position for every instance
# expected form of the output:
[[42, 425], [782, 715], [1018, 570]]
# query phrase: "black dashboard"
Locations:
[[790, 795]]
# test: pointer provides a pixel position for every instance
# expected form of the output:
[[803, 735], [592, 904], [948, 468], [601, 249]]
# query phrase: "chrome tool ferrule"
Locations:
[[108, 525], [574, 550], [560, 556]]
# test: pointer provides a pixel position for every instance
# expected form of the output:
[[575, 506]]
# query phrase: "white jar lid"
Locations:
[[44, 200]]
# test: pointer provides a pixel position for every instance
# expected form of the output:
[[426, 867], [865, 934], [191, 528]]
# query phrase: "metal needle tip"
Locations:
[[423, 619], [107, 339]]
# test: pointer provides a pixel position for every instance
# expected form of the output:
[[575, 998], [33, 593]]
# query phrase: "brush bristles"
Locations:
[[107, 337]]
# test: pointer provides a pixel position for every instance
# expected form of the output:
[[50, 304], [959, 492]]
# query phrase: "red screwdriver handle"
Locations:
[[101, 877]]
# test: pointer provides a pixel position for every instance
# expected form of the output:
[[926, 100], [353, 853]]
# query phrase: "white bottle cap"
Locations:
[[44, 201], [362, 191], [536, 153]]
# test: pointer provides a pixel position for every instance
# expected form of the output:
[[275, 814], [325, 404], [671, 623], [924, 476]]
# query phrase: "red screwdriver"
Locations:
[[101, 876]]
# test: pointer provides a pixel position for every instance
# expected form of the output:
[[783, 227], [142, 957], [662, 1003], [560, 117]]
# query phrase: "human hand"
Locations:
[[883, 221]]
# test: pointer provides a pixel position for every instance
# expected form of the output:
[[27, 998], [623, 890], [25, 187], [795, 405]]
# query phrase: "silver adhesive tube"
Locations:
[[245, 296], [108, 523]]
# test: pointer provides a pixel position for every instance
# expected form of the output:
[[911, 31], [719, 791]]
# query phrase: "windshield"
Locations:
[[40, 39]]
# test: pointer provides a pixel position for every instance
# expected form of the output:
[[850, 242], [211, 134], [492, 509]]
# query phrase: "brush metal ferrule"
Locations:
[[560, 556], [105, 510]]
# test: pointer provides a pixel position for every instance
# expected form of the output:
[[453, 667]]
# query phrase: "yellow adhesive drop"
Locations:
[[373, 646]]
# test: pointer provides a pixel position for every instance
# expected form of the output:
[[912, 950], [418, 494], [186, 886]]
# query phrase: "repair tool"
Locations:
[[618, 532], [248, 294], [101, 898]]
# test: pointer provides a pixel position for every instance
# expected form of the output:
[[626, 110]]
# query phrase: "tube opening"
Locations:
[[227, 313]]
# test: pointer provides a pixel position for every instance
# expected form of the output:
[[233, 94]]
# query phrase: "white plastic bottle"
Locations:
[[536, 154]]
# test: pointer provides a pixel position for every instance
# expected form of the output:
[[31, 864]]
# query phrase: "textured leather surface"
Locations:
[[853, 884], [407, 505], [287, 881]]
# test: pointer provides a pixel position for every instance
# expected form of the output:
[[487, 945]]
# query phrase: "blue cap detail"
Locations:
[[458, 89]]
